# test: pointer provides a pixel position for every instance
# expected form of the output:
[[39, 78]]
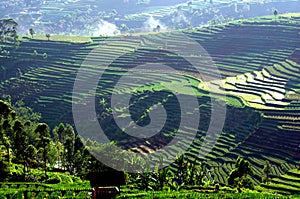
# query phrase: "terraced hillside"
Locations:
[[288, 183], [258, 61]]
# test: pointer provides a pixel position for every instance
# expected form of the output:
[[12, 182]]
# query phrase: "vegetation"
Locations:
[[259, 142], [8, 37], [238, 176], [48, 36], [91, 18], [197, 194], [31, 32], [29, 155]]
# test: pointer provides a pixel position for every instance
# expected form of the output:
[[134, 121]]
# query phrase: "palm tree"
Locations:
[[31, 32], [48, 36]]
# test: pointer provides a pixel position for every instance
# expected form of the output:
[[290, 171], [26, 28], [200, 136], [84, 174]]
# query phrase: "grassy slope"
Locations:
[[288, 183], [195, 194], [238, 49], [60, 38]]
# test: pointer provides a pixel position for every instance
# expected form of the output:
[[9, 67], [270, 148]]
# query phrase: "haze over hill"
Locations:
[[90, 17]]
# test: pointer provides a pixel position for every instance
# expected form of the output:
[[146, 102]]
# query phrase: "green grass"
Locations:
[[197, 194], [61, 38]]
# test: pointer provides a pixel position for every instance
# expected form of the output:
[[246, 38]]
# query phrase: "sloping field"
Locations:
[[288, 183], [258, 61]]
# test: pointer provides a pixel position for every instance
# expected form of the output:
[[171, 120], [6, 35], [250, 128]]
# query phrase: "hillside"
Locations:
[[259, 63], [90, 17], [287, 184]]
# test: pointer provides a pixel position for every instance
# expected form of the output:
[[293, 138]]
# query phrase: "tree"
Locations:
[[189, 172], [35, 53], [266, 172], [238, 176], [4, 168], [15, 136], [20, 143], [43, 143], [124, 28], [25, 113], [69, 146], [48, 36], [31, 32], [157, 29], [8, 36], [30, 154], [6, 115], [64, 136], [275, 13], [60, 138]]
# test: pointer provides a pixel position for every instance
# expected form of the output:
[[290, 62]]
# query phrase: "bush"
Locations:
[[55, 195], [4, 170], [31, 178], [83, 195], [20, 194], [31, 195], [69, 194], [244, 182], [42, 195], [217, 188], [35, 53], [4, 186], [55, 178]]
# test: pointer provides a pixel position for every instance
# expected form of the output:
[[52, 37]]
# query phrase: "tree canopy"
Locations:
[[8, 36]]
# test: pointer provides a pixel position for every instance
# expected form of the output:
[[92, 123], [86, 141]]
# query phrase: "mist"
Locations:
[[106, 28], [152, 23]]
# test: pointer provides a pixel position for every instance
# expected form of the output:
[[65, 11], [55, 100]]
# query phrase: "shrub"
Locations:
[[238, 176], [245, 183], [4, 170], [217, 188], [53, 180], [83, 195], [65, 178], [20, 194], [31, 195], [69, 194], [55, 195], [42, 195], [31, 178], [4, 186]]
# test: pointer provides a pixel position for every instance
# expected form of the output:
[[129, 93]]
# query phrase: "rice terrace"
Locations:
[[150, 99]]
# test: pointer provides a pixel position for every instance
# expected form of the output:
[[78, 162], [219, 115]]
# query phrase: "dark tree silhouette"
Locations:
[[20, 143], [48, 36], [31, 32], [242, 169], [275, 13], [8, 36], [43, 142]]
